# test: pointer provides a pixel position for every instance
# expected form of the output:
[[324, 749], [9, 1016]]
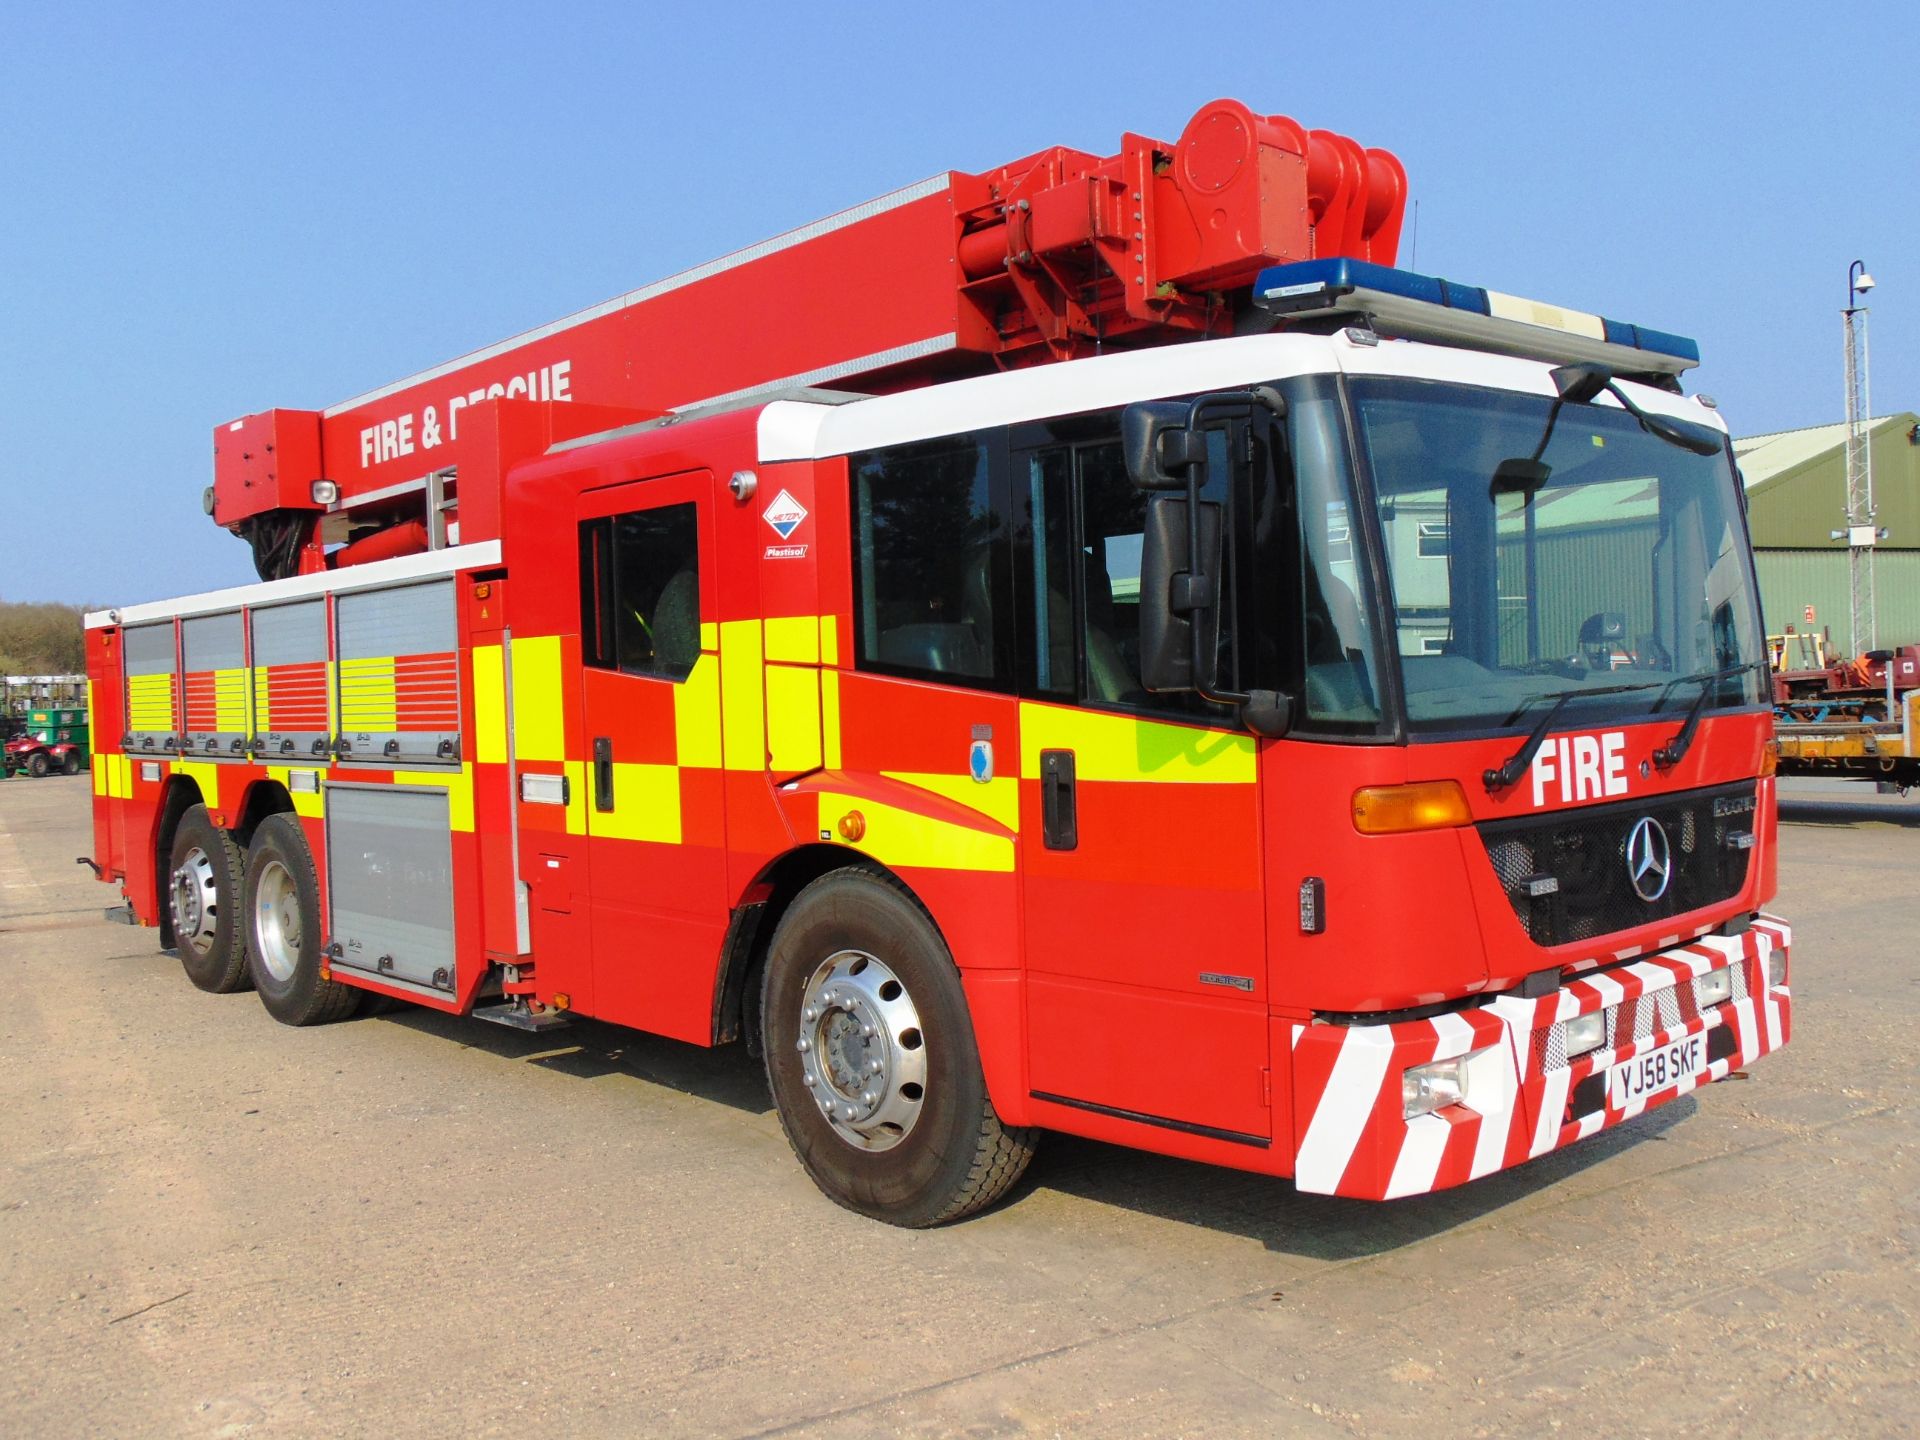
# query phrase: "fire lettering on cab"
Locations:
[[1581, 767]]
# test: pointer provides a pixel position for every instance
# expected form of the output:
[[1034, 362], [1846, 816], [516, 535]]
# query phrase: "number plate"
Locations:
[[1655, 1071]]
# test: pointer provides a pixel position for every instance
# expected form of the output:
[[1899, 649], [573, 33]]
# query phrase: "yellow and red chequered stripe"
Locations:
[[401, 693], [153, 703], [216, 701]]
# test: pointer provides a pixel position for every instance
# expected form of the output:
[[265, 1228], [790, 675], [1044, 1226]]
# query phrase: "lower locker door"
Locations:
[[390, 883]]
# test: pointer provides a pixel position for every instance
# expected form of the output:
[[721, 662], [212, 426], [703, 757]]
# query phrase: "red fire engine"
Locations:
[[1333, 745]]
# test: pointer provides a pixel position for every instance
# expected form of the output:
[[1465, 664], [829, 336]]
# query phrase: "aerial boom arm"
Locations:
[[1052, 257]]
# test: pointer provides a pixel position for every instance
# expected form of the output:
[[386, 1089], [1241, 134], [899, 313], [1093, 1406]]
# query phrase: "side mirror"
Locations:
[[1158, 445], [1179, 611]]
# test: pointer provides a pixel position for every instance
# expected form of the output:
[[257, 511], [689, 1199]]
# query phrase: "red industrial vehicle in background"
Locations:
[[44, 742], [1085, 646]]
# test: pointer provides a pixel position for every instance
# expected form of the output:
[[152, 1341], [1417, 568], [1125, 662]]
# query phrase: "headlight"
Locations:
[[1586, 1032], [1435, 1085], [1714, 987]]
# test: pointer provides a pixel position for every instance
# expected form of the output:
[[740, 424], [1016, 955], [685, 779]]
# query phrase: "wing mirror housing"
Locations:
[[1182, 552], [1159, 446], [1179, 608]]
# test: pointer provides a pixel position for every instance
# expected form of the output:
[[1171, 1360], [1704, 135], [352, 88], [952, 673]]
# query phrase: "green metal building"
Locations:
[[1797, 497]]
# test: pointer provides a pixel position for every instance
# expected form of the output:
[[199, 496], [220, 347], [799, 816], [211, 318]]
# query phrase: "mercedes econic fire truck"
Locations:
[[1085, 646]]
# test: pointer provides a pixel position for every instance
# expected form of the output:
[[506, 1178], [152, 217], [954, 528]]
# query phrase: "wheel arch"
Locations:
[[743, 953], [985, 958], [263, 798], [181, 794]]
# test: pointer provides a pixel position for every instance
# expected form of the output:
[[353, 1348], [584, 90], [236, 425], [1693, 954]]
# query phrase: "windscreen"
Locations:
[[1623, 564]]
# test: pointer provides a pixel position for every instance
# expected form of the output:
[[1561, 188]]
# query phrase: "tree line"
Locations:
[[41, 639]]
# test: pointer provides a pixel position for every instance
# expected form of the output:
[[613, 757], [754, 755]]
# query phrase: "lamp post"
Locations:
[[1861, 530]]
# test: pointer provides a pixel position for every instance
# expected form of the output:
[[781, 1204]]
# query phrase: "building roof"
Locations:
[[1765, 457], [1796, 484]]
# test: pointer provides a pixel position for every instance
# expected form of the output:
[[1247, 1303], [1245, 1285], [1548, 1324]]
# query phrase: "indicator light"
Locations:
[[1313, 905], [1423, 805]]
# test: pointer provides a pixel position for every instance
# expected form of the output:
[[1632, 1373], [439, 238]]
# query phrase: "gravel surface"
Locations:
[[415, 1225]]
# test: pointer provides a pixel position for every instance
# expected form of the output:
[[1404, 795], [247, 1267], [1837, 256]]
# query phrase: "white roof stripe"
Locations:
[[1107, 381], [302, 587]]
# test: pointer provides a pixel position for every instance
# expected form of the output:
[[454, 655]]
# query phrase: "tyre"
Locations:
[[283, 929], [70, 763], [871, 1058], [203, 893], [37, 765]]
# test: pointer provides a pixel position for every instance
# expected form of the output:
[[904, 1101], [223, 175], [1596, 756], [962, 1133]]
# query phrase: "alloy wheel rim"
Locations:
[[276, 920], [863, 1055], [196, 901]]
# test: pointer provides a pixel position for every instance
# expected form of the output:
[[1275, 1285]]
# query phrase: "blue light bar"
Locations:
[[1425, 307]]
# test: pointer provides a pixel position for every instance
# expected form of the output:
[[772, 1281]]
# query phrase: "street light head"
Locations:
[[1864, 283]]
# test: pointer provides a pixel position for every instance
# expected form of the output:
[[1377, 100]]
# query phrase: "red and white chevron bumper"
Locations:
[[1524, 1096]]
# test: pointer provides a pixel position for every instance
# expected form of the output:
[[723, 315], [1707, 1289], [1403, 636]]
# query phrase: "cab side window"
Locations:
[[1086, 520], [929, 564], [640, 592]]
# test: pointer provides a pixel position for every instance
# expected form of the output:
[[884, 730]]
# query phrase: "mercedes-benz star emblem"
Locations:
[[1649, 859]]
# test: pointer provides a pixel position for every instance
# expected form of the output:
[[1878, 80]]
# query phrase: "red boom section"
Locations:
[[1054, 256]]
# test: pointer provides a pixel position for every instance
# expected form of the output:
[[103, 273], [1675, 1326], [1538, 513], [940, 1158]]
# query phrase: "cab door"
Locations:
[[650, 693], [1139, 829]]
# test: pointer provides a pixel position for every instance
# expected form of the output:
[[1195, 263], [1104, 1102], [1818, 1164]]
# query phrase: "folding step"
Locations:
[[518, 1015]]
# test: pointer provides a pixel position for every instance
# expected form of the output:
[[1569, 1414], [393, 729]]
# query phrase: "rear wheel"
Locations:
[[203, 896], [872, 1062], [37, 765], [71, 763], [283, 929]]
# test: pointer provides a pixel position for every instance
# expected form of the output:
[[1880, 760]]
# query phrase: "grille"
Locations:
[[1585, 852]]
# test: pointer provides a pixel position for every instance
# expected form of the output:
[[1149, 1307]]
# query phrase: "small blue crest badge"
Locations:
[[980, 761]]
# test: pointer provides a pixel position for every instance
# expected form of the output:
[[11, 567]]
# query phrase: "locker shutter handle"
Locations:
[[1059, 810], [602, 772]]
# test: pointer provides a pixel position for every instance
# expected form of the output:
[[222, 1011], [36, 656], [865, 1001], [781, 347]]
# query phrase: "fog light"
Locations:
[[1776, 967], [1435, 1085], [1714, 988], [1586, 1032], [324, 492]]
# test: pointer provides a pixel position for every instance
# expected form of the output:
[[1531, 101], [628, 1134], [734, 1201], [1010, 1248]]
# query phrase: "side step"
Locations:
[[517, 1015]]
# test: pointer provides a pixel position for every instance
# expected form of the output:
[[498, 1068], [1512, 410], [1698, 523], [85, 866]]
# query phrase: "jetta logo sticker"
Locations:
[[1649, 859], [784, 514]]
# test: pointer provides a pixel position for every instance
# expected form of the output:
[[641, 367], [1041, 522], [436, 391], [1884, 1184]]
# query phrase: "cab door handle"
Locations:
[[1059, 810], [602, 772]]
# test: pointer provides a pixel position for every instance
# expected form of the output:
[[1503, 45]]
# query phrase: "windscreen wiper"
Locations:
[[1671, 753], [1501, 776]]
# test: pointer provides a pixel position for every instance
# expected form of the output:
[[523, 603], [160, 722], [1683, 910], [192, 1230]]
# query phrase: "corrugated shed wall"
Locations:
[[1791, 580], [1801, 508], [1584, 571]]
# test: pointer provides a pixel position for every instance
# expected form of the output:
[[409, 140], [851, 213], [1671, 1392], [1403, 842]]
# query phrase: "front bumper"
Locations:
[[1526, 1098]]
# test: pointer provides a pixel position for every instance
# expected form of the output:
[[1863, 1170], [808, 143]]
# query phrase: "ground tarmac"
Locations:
[[214, 1225]]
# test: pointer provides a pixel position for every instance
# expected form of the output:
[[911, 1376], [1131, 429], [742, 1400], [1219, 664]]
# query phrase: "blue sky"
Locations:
[[207, 210]]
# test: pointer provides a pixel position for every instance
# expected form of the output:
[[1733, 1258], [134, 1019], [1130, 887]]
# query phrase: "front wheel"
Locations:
[[872, 1061], [37, 765], [283, 929]]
